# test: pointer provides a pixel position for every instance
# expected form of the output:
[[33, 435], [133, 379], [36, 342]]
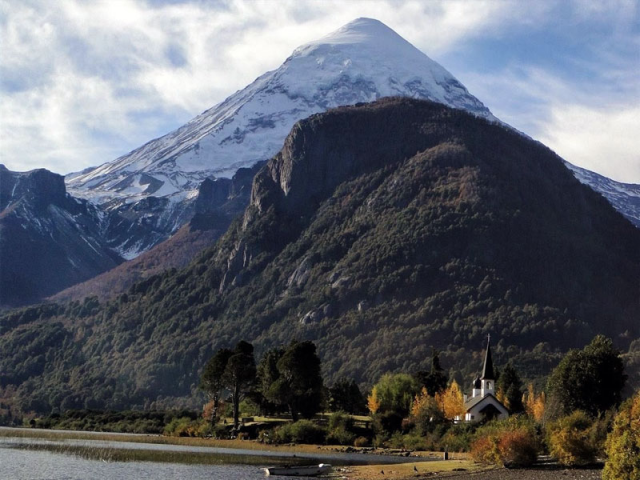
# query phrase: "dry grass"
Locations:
[[187, 441], [155, 439], [114, 454]]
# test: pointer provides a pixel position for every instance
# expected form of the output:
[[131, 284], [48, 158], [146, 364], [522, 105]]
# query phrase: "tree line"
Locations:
[[590, 380], [575, 417], [286, 379]]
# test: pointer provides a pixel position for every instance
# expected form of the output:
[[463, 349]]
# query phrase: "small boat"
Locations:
[[300, 470]]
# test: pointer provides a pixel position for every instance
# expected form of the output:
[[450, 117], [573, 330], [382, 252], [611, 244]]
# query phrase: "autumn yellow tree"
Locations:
[[373, 402], [421, 403], [425, 412], [623, 443], [451, 401], [534, 404], [528, 399]]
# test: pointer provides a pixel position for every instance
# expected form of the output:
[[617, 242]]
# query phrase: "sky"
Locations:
[[83, 82]]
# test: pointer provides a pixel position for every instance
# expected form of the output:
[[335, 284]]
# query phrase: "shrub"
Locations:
[[222, 431], [181, 427], [623, 443], [340, 436], [485, 450], [340, 420], [387, 423], [380, 441], [414, 441], [302, 431], [510, 443], [517, 448], [361, 442], [396, 440], [340, 429], [457, 438], [599, 431], [569, 439]]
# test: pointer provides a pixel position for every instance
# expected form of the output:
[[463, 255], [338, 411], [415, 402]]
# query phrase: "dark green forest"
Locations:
[[378, 232]]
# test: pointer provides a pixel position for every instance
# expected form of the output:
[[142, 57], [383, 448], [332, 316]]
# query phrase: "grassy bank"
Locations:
[[114, 454], [197, 442]]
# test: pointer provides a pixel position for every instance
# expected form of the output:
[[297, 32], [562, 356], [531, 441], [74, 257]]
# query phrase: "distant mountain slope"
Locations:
[[625, 197], [217, 204], [361, 62], [48, 240], [378, 231]]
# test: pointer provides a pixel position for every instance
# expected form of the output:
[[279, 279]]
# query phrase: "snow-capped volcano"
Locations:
[[156, 184], [360, 62]]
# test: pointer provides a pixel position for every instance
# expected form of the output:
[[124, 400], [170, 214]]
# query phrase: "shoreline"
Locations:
[[158, 439], [404, 466], [396, 464]]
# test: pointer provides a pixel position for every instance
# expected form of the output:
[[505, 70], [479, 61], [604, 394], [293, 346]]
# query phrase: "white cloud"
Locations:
[[593, 124], [604, 141]]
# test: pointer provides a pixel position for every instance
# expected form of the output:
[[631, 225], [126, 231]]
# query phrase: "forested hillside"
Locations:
[[378, 231]]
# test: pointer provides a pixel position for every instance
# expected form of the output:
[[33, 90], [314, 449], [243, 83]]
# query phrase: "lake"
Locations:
[[42, 465], [71, 459]]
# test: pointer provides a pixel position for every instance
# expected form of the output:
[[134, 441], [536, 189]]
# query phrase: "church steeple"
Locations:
[[487, 369], [488, 376]]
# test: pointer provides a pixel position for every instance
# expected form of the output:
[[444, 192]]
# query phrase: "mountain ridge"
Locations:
[[362, 61], [47, 238], [144, 198], [456, 228], [348, 66]]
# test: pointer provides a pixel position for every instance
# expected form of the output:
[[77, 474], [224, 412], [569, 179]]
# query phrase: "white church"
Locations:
[[483, 404]]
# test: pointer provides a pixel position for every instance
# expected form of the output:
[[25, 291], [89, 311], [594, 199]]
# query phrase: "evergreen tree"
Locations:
[[435, 381], [239, 376], [347, 397], [299, 385], [267, 374], [212, 380], [510, 389], [590, 379]]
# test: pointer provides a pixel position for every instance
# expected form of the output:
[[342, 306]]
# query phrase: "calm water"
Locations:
[[29, 459], [38, 465]]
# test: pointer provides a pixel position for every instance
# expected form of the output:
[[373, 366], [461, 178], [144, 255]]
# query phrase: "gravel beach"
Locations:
[[534, 474]]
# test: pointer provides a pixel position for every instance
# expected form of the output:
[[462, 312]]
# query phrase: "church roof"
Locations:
[[487, 369], [472, 402]]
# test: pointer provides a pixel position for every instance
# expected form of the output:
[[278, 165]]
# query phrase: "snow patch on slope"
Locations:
[[624, 197]]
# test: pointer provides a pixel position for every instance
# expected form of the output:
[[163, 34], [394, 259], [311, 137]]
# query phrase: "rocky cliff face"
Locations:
[[48, 240], [40, 188], [325, 150], [217, 204]]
